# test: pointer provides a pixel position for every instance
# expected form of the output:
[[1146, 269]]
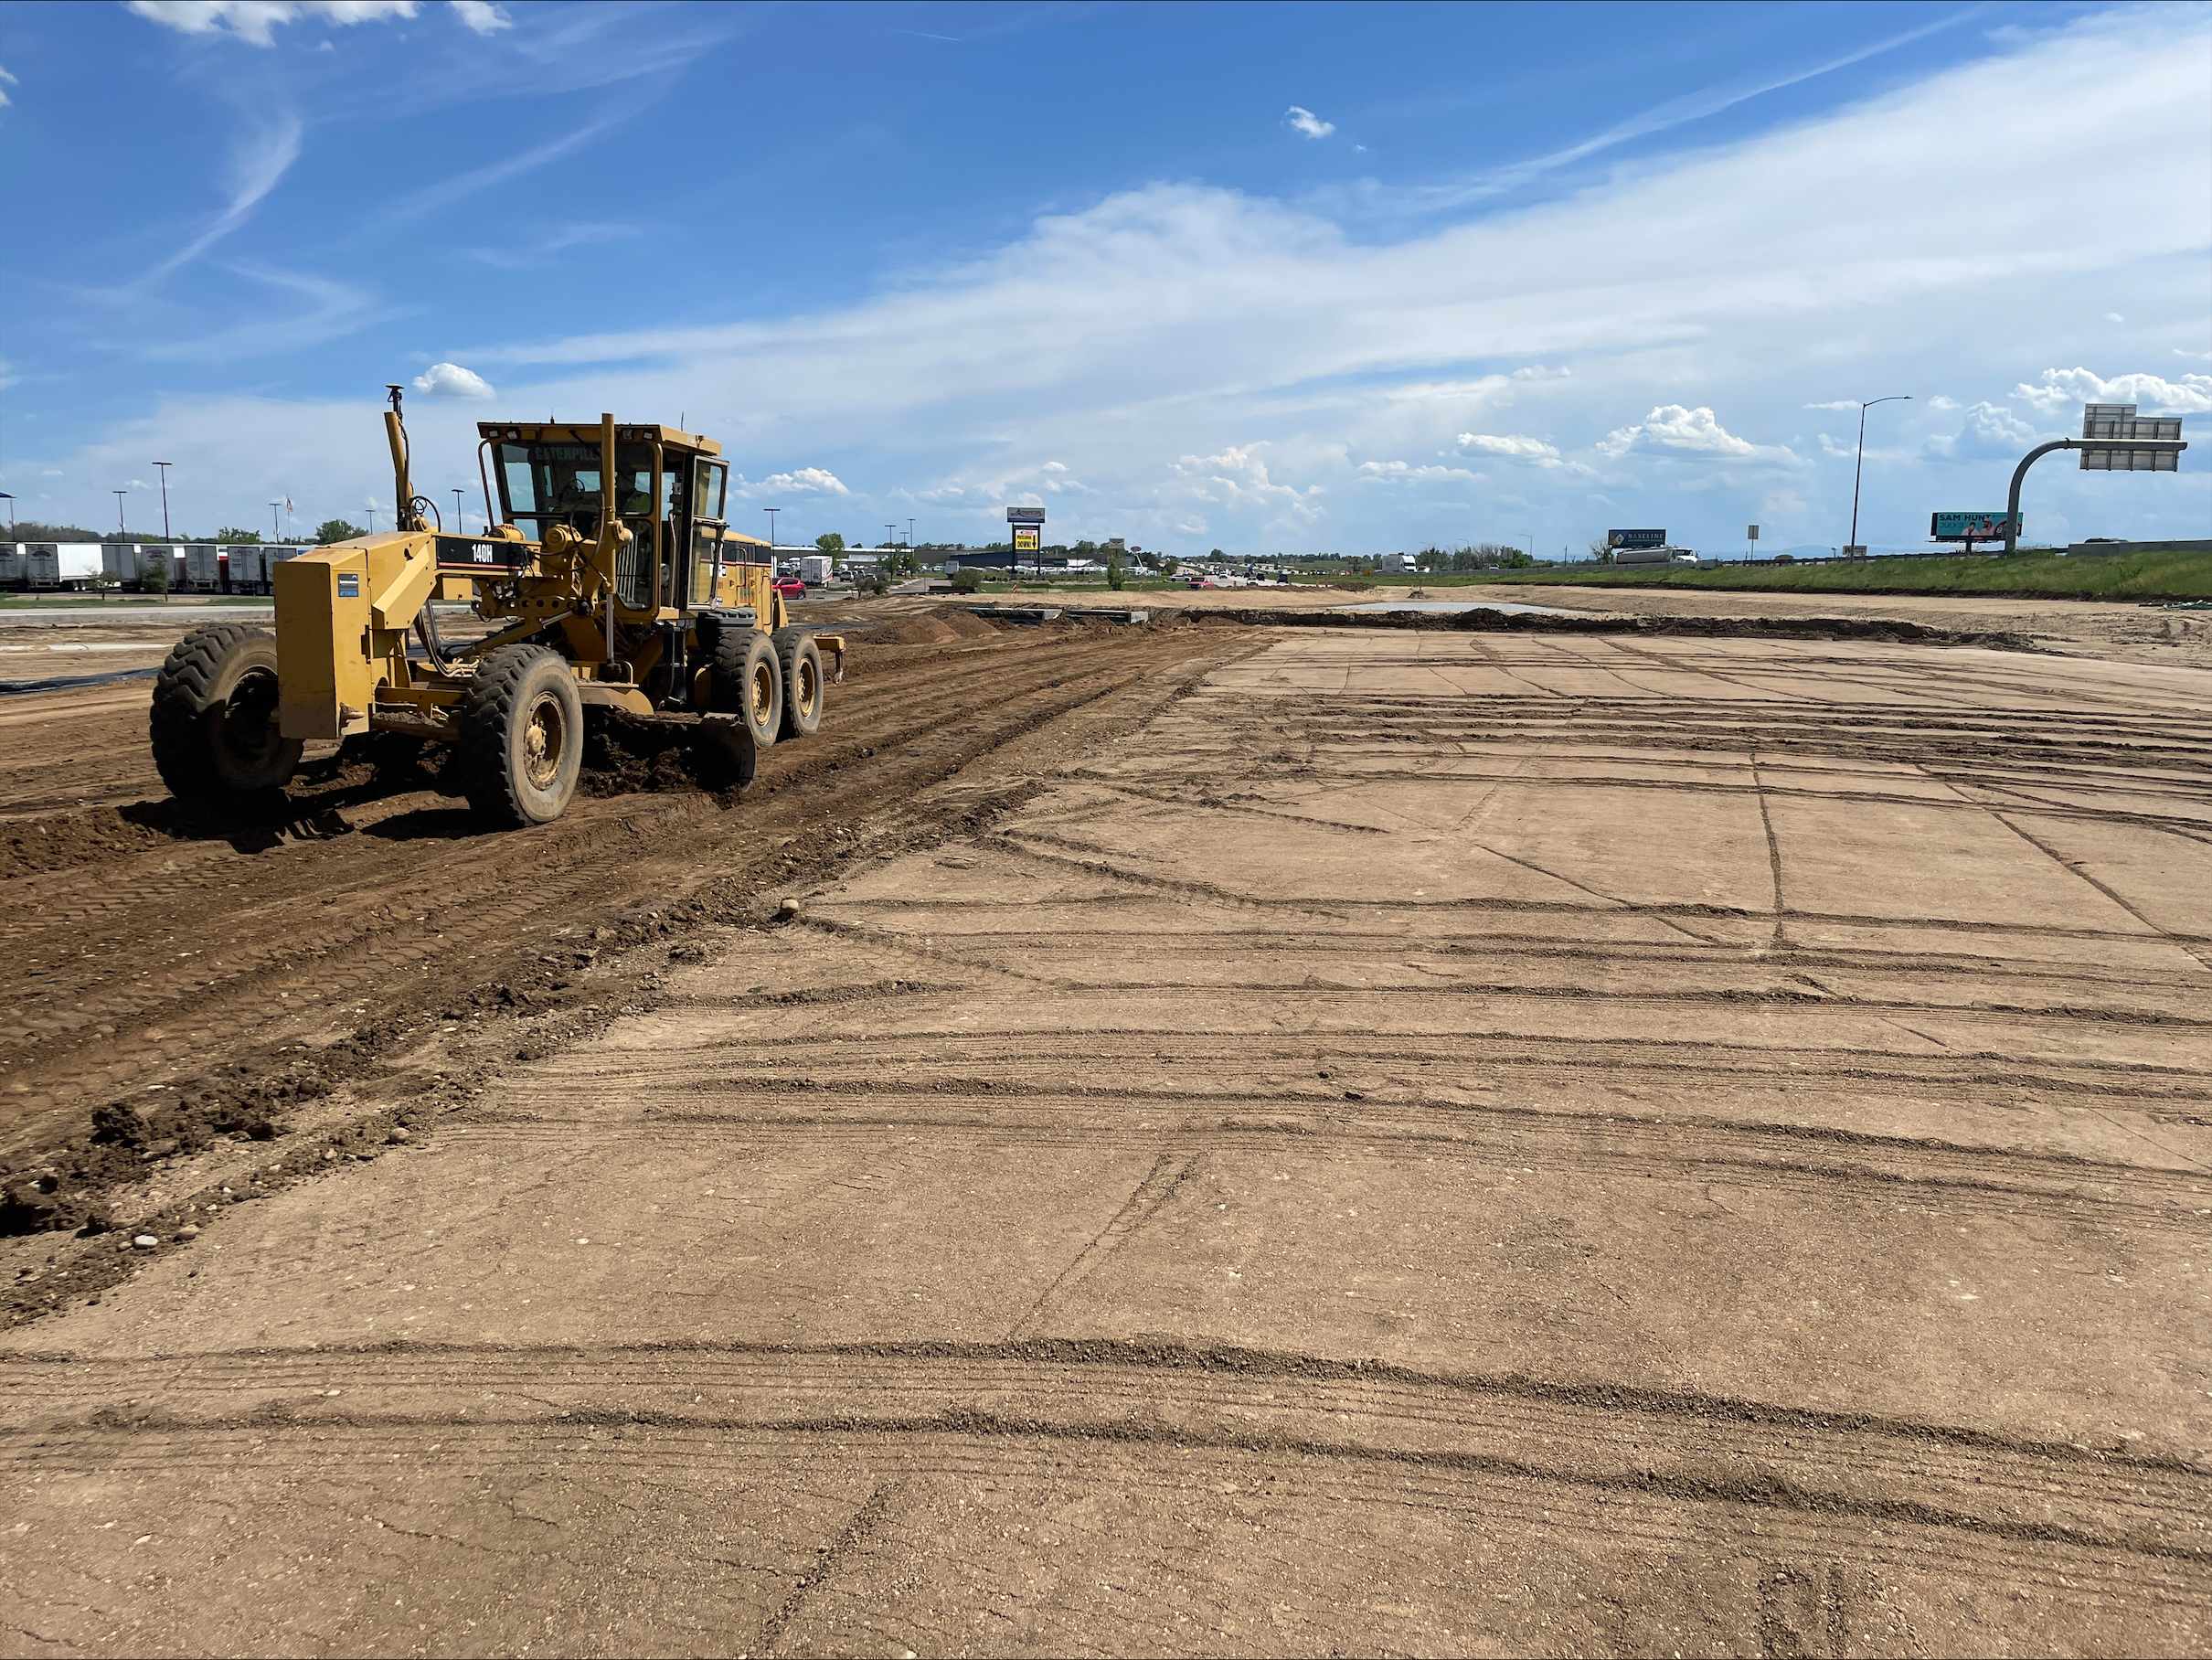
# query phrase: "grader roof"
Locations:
[[563, 433]]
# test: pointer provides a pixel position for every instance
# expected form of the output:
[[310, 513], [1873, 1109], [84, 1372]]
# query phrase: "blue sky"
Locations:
[[1268, 279]]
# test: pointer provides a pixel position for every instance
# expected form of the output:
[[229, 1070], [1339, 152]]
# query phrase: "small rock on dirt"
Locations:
[[146, 1242]]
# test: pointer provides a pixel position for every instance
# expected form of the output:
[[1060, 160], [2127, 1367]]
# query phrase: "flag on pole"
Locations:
[[288, 503]]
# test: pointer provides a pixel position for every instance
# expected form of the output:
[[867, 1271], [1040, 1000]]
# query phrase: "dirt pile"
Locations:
[[1877, 630]]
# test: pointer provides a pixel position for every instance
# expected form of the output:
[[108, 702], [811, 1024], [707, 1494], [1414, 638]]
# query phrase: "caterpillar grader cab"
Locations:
[[610, 578]]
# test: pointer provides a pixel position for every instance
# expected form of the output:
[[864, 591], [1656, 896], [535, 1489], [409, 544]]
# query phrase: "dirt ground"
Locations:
[[1198, 1138]]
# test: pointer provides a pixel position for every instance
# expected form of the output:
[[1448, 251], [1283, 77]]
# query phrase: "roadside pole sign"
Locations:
[[1028, 526], [1751, 534]]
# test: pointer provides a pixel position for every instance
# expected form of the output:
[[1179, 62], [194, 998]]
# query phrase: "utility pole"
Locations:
[[164, 499], [1860, 465]]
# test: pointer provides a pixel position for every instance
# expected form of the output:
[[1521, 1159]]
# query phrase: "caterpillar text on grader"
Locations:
[[639, 599]]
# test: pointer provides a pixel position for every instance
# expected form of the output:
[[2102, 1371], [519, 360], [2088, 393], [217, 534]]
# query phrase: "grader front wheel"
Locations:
[[801, 660], [214, 720], [748, 682], [522, 737]]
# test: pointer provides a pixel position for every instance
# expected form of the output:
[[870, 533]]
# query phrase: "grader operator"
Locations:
[[610, 576]]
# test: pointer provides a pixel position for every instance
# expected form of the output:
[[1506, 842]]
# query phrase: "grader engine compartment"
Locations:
[[610, 578]]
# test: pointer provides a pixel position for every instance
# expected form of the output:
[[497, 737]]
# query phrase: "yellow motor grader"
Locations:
[[610, 576]]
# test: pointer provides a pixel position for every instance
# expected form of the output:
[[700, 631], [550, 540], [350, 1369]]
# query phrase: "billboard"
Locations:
[[1635, 538], [1024, 516], [1027, 536], [1987, 526]]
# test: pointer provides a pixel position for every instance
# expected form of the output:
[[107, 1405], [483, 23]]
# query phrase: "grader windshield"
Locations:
[[671, 500]]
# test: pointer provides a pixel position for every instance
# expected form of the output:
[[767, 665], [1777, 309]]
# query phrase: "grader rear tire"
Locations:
[[748, 683], [801, 660], [522, 737], [214, 719]]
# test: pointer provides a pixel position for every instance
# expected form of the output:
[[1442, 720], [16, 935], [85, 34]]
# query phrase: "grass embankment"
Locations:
[[2143, 575]]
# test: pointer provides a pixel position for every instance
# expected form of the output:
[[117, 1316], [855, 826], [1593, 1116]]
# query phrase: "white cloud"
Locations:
[[252, 20], [482, 16], [1839, 403], [1941, 402], [1672, 429], [1513, 446], [1998, 427], [2061, 387], [451, 380], [805, 481], [1307, 123], [1404, 472], [2115, 317], [1238, 478], [5, 79]]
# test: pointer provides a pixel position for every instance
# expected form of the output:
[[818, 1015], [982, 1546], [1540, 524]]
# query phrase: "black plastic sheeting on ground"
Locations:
[[69, 683]]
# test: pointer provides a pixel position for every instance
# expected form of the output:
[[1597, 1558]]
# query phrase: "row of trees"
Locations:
[[1476, 556]]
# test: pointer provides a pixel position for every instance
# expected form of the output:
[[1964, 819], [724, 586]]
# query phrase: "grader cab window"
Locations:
[[544, 484], [709, 485]]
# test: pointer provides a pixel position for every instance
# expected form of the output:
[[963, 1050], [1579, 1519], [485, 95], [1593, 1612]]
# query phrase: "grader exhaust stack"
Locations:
[[611, 580]]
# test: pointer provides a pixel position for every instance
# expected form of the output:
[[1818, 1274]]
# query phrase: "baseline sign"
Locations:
[[1635, 538]]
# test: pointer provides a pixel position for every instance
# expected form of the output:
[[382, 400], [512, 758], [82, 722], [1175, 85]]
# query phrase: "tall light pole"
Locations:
[[909, 536], [164, 499], [119, 495], [458, 528], [10, 500], [276, 531], [772, 513], [1860, 465]]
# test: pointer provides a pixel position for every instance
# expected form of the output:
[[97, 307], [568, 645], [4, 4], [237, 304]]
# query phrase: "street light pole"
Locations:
[[10, 500], [1859, 467], [164, 499], [276, 530], [458, 528], [119, 495], [772, 513]]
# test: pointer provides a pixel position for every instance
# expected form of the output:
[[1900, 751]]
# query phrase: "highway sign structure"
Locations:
[[2115, 439]]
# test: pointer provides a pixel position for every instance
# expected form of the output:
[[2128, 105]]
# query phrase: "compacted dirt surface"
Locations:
[[1197, 1138]]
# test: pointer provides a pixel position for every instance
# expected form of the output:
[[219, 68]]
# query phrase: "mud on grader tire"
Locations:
[[522, 737], [214, 720]]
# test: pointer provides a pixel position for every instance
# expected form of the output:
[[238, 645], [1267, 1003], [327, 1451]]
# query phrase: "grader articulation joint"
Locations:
[[611, 578]]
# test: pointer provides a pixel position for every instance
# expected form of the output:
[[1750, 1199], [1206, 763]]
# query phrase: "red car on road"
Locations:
[[791, 588]]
